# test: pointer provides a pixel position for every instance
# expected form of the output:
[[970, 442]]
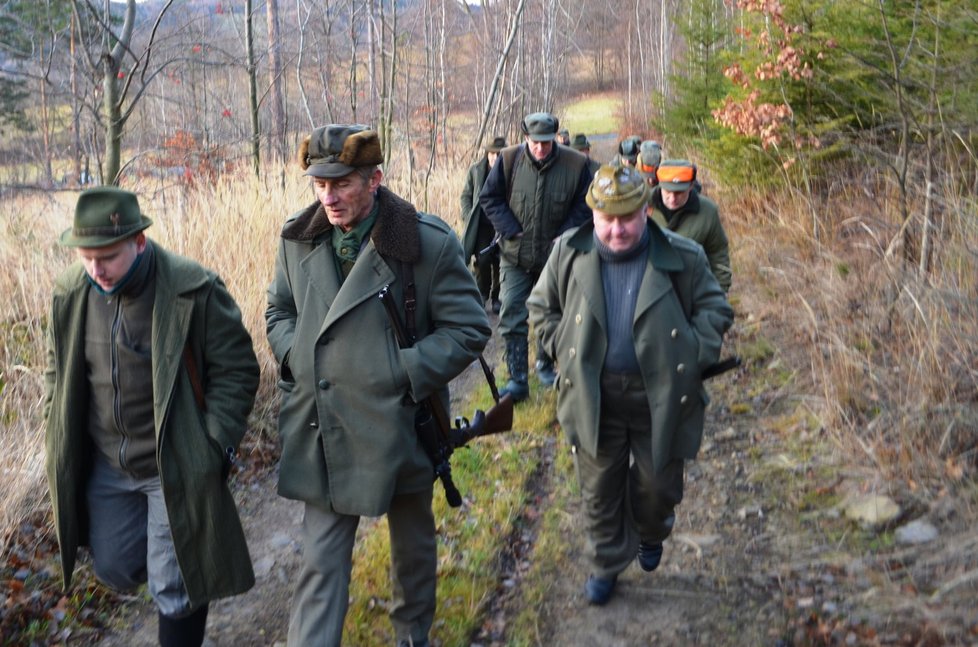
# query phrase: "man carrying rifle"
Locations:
[[350, 394], [634, 318]]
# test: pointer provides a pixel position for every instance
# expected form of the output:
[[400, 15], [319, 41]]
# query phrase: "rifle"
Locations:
[[720, 367], [491, 246], [435, 432], [485, 423]]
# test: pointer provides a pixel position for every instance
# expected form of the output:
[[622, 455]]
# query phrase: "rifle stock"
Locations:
[[721, 367], [497, 419]]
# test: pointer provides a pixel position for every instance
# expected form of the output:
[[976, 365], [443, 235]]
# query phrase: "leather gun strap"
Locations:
[[191, 363], [410, 303]]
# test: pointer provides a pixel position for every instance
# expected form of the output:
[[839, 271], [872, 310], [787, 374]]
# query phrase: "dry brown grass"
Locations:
[[890, 350]]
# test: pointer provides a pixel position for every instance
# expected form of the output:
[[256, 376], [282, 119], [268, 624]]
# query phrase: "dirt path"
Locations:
[[750, 562]]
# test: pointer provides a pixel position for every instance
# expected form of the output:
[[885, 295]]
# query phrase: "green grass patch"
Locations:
[[491, 474], [590, 115]]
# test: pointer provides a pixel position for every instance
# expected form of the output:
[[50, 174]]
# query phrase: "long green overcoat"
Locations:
[[349, 392], [567, 308], [191, 304]]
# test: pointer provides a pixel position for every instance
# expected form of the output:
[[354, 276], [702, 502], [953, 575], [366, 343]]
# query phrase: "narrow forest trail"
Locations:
[[758, 556]]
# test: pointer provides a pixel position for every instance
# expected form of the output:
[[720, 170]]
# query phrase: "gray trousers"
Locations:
[[625, 503], [322, 591], [130, 537]]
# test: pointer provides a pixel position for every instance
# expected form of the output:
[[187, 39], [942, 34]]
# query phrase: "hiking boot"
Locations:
[[546, 372], [598, 590], [519, 391], [516, 361], [649, 555]]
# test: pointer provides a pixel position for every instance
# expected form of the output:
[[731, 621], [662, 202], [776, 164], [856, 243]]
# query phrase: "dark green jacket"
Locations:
[[699, 220], [191, 305], [567, 309], [347, 415], [473, 218], [538, 203]]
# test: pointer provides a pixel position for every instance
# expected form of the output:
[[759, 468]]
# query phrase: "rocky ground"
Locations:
[[762, 553]]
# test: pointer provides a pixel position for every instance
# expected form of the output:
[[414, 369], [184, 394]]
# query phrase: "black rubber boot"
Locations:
[[516, 360], [183, 632]]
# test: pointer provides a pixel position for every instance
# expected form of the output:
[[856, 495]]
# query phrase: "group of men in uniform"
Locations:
[[591, 284], [151, 374]]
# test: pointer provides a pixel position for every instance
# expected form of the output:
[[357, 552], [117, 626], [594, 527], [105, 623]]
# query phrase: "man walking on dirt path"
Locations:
[[677, 205], [151, 376], [632, 315], [350, 394], [478, 234], [583, 146], [534, 192]]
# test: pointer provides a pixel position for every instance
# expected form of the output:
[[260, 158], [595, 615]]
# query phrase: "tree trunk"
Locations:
[[253, 90], [277, 142]]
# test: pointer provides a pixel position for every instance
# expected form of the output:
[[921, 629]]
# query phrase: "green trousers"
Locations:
[[322, 590], [625, 501]]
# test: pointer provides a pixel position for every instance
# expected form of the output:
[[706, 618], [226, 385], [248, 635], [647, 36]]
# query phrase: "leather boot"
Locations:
[[516, 360], [187, 631]]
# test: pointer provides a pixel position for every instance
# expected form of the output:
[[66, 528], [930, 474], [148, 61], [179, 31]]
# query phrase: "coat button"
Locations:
[[567, 381], [674, 333], [314, 424], [572, 352], [323, 384], [684, 399], [681, 369], [578, 319]]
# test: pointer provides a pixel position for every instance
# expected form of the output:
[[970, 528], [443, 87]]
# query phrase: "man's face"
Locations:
[[110, 264], [492, 158], [620, 233], [539, 150], [347, 200], [675, 199]]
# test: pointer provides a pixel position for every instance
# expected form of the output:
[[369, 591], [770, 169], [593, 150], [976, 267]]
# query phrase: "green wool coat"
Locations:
[[347, 415], [191, 304], [567, 308], [699, 220]]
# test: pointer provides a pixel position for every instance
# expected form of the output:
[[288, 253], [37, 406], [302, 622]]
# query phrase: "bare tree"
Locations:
[[277, 143], [120, 83]]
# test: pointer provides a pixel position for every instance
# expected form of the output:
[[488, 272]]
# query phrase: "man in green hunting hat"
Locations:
[[678, 205], [630, 356], [581, 144], [350, 393], [150, 379], [534, 192], [478, 233]]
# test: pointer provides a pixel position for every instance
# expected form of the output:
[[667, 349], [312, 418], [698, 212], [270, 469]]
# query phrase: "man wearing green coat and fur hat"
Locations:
[[632, 315], [150, 378], [350, 393]]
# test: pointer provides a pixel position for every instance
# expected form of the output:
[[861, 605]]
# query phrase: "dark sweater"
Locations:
[[621, 276], [118, 336]]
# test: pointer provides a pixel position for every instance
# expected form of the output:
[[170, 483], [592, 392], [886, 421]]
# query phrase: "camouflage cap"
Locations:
[[337, 149], [103, 216], [617, 190]]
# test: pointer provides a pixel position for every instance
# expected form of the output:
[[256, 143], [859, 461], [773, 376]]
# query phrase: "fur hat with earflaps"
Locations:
[[337, 149]]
